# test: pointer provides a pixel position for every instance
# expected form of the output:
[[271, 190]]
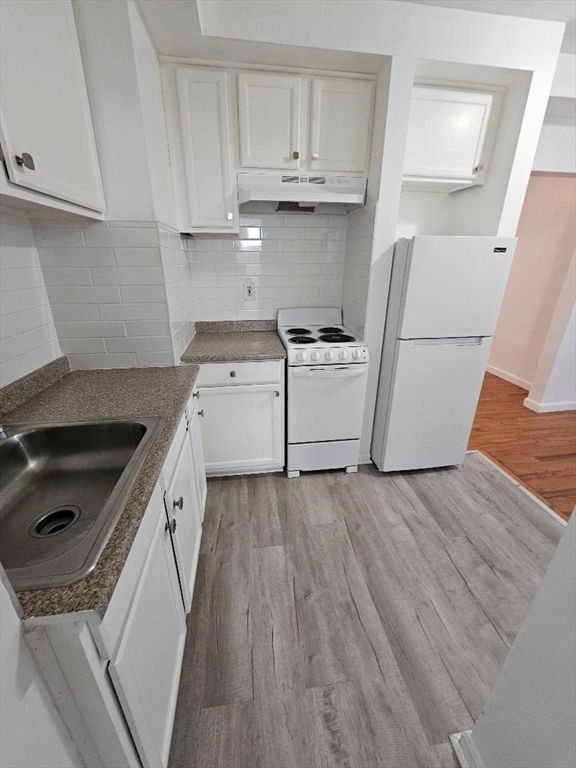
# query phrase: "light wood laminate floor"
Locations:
[[353, 620], [539, 449]]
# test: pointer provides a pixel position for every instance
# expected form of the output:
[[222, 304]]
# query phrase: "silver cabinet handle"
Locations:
[[178, 503], [315, 156], [196, 395], [232, 374], [171, 527], [296, 155], [25, 160], [229, 216], [276, 394], [201, 413]]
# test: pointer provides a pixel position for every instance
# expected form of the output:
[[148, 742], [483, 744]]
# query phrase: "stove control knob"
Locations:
[[343, 354], [302, 356], [357, 354], [330, 355], [316, 356]]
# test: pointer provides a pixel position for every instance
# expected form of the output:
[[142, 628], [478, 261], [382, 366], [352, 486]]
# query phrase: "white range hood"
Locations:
[[303, 191]]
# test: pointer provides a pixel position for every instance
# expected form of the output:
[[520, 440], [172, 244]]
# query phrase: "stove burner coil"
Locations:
[[298, 331], [336, 338], [330, 329], [301, 340]]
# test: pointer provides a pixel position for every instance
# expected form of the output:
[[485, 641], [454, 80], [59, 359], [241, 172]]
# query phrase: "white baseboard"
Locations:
[[364, 458], [466, 751], [509, 377], [534, 405]]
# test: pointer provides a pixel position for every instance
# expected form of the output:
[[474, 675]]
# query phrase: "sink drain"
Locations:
[[54, 521]]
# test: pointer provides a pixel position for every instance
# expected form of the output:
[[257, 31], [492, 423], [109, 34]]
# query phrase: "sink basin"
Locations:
[[62, 489]]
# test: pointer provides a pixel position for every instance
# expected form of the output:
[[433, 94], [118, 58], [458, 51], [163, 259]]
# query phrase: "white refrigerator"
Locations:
[[445, 297]]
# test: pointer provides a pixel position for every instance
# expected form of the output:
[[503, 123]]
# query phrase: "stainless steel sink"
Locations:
[[62, 489]]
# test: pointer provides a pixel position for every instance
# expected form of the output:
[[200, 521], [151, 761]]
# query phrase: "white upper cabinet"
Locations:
[[451, 135], [46, 127], [340, 124], [205, 131], [270, 113]]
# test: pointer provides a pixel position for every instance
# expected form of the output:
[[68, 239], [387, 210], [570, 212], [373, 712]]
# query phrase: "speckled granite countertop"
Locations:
[[228, 342], [100, 395]]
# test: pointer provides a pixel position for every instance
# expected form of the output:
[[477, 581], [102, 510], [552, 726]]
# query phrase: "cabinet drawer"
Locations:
[[230, 374]]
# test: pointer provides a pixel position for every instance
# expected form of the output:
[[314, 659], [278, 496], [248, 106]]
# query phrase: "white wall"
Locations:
[[556, 151], [33, 734], [150, 89], [554, 384], [359, 236], [28, 337], [109, 62], [560, 391], [293, 259], [546, 241], [529, 716]]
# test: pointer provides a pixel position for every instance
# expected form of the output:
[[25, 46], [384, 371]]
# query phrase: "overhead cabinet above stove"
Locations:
[[290, 122], [222, 120], [451, 135]]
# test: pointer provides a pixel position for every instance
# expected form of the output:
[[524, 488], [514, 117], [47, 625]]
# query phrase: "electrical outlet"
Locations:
[[249, 291]]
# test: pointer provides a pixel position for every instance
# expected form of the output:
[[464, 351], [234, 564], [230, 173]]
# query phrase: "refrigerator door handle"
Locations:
[[458, 341]]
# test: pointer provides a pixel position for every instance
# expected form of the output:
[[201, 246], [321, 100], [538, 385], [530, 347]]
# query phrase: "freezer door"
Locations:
[[453, 286], [433, 398]]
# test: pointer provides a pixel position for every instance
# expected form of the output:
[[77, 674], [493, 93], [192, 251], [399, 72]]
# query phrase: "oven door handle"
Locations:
[[330, 373]]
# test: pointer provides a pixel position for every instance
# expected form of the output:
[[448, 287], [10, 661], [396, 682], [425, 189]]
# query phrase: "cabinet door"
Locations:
[[242, 428], [341, 124], [45, 111], [198, 459], [183, 510], [205, 131], [146, 668], [450, 133], [270, 120]]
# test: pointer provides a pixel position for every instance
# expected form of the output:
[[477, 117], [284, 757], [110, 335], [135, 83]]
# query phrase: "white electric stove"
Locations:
[[327, 374]]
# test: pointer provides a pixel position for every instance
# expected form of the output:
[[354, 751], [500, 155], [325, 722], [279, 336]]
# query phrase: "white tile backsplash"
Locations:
[[28, 337], [105, 280], [357, 268], [293, 260]]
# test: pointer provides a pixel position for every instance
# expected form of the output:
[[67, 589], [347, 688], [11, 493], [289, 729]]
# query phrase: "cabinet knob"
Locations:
[[171, 527], [229, 216], [296, 155], [276, 394], [196, 395], [315, 156], [232, 374], [178, 503], [201, 413], [478, 168], [25, 160]]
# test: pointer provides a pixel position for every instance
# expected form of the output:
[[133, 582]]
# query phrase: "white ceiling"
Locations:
[[175, 31], [550, 10]]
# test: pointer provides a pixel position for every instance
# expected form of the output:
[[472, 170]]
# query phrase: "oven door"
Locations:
[[326, 403]]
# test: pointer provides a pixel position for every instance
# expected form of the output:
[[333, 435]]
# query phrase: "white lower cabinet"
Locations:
[[146, 667], [114, 679], [243, 425], [197, 454], [182, 500]]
